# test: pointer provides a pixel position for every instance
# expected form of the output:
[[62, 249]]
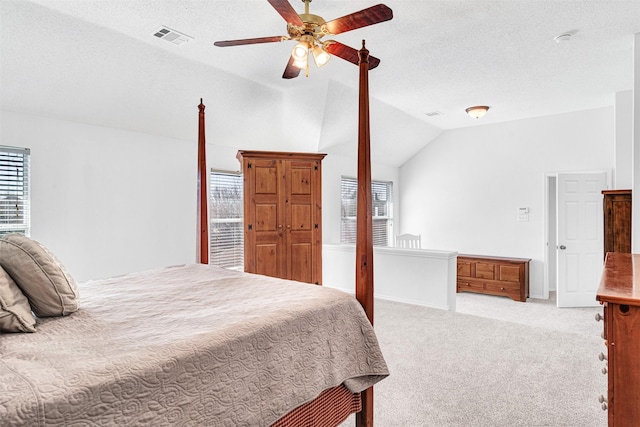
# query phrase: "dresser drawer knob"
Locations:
[[602, 399], [604, 406], [599, 317], [604, 370], [602, 356]]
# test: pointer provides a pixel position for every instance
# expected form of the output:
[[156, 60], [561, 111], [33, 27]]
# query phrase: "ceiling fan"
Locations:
[[309, 30]]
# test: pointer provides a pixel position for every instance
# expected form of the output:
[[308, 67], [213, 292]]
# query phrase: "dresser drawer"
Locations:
[[505, 288], [464, 285]]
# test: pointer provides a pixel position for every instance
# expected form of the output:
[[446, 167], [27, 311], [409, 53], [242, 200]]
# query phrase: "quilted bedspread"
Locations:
[[191, 345]]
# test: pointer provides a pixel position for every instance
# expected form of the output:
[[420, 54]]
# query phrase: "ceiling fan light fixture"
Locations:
[[477, 111], [320, 56], [300, 63], [300, 52]]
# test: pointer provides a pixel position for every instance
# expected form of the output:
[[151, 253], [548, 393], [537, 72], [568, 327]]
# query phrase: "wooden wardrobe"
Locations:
[[617, 220], [283, 214]]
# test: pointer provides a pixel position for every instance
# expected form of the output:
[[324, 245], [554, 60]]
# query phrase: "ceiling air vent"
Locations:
[[173, 36]]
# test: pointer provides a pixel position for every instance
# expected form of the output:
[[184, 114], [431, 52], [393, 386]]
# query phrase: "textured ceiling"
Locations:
[[439, 56], [436, 55]]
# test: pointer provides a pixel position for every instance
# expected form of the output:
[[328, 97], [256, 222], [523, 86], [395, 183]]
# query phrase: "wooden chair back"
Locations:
[[408, 241]]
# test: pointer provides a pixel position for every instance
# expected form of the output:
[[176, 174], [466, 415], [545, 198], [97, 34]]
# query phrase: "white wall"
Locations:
[[107, 201], [623, 178], [462, 191], [111, 201]]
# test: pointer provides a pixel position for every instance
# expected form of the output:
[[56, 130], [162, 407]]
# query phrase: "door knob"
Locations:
[[563, 247]]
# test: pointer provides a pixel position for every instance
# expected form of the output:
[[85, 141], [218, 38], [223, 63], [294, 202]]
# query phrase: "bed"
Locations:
[[197, 345]]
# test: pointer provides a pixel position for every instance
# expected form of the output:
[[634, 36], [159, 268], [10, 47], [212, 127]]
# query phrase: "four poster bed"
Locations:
[[141, 349]]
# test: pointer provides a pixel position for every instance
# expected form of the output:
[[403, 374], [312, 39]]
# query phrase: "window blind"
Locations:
[[382, 208], [14, 190], [226, 238]]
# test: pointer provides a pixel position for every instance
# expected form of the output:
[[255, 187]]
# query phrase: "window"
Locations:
[[381, 200], [14, 191], [226, 238]]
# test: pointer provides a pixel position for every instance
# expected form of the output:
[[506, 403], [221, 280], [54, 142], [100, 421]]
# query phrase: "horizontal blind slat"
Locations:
[[14, 190], [226, 237]]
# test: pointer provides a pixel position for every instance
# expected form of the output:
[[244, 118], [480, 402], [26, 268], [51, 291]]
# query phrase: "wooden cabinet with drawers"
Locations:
[[494, 276], [620, 295]]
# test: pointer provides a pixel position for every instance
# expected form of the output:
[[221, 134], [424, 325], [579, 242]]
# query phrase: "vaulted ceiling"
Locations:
[[436, 56]]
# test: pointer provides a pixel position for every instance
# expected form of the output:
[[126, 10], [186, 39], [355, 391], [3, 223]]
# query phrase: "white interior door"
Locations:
[[580, 238]]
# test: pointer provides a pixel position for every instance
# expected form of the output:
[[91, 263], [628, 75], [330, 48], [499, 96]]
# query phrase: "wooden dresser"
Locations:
[[619, 293], [494, 276], [283, 214]]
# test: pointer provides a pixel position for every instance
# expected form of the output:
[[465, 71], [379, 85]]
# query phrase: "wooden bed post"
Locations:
[[202, 238], [364, 229]]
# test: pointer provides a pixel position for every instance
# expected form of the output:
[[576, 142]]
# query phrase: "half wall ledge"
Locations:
[[414, 276]]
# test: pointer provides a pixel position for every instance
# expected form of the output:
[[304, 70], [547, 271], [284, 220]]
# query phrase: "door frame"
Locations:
[[551, 221]]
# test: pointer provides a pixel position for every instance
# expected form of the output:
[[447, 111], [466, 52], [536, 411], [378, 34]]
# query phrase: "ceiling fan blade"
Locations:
[[250, 41], [291, 71], [349, 54], [284, 8], [365, 17]]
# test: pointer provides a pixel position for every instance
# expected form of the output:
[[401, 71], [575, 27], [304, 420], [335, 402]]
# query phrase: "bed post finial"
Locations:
[[363, 56], [202, 237]]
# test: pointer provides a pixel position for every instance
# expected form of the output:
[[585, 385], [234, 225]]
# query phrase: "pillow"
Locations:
[[51, 291], [15, 312]]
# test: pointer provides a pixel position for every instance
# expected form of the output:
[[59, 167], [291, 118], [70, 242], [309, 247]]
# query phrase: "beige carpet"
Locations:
[[494, 362]]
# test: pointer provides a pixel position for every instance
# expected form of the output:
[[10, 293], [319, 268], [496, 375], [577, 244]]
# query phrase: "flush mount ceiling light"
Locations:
[[477, 111]]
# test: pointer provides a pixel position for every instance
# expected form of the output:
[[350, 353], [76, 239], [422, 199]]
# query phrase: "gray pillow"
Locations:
[[15, 312], [50, 289]]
